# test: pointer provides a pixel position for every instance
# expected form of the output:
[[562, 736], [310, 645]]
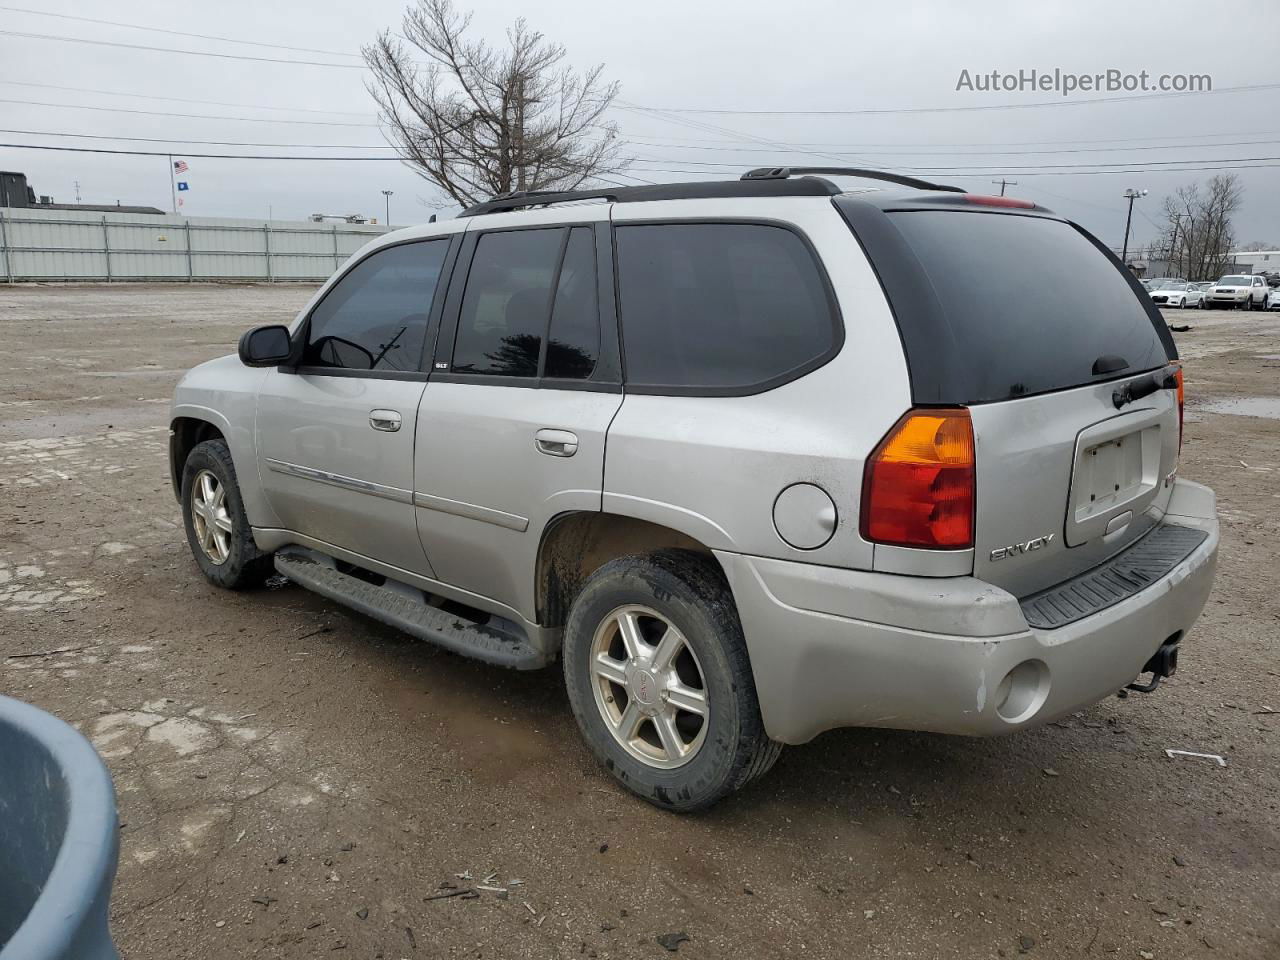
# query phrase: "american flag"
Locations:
[[180, 166]]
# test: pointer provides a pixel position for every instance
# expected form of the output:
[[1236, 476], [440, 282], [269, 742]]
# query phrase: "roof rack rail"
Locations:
[[532, 198], [783, 173], [702, 190]]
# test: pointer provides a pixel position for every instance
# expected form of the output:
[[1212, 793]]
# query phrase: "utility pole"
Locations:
[[1005, 183], [1132, 195], [1186, 239], [519, 136], [387, 194], [77, 183]]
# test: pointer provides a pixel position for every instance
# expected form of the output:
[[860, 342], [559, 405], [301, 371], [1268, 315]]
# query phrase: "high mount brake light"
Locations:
[[918, 486], [987, 201]]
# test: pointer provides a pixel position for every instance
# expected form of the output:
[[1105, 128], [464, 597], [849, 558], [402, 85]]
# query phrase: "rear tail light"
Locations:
[[1177, 374], [918, 487]]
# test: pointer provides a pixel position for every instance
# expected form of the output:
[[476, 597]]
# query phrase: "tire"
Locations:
[[230, 559], [728, 747]]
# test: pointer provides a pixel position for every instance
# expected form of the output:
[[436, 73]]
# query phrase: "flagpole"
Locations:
[[173, 190]]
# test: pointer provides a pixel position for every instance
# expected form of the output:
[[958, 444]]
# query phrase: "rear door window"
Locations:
[[375, 317], [1000, 306], [507, 302], [573, 343], [720, 307]]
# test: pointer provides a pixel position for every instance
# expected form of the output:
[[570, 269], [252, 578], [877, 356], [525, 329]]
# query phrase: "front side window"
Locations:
[[726, 306], [375, 317], [506, 303]]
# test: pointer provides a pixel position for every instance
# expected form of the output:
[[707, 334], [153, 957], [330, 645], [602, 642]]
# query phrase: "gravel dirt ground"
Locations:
[[298, 781]]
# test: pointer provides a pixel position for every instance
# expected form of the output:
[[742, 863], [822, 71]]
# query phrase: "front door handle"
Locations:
[[556, 443], [385, 420]]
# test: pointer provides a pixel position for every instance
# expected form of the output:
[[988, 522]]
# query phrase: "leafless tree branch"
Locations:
[[1198, 236], [479, 122]]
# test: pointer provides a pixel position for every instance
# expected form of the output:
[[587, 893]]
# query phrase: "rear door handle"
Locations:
[[386, 420], [556, 443]]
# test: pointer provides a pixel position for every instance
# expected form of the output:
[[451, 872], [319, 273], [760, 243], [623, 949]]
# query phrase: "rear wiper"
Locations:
[[1144, 386], [1109, 363]]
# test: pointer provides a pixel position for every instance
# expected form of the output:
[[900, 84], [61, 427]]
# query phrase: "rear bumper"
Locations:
[[838, 648]]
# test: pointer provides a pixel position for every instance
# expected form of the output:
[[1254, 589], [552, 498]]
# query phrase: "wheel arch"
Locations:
[[574, 545], [186, 432]]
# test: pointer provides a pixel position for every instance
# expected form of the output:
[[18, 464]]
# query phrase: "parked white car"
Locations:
[[1170, 293], [1240, 291], [1273, 298]]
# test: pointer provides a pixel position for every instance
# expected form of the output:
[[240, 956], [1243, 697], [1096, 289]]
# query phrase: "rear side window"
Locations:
[[506, 303], [375, 317], [1020, 305], [726, 307], [574, 341]]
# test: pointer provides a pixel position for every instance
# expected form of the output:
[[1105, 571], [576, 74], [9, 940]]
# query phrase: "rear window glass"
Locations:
[[1027, 305], [719, 306]]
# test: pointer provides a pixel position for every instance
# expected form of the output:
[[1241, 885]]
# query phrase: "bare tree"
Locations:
[[1198, 234], [480, 122]]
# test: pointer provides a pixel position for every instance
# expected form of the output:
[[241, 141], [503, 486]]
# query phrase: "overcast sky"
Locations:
[[730, 56]]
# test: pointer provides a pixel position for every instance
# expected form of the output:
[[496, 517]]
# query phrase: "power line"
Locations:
[[1256, 163], [206, 143], [175, 33], [1014, 143], [148, 96], [993, 167], [168, 153], [980, 153], [188, 116], [774, 144], [872, 111], [190, 53]]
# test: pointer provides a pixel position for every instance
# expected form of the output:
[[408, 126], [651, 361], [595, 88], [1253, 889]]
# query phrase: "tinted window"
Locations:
[[375, 317], [724, 305], [574, 341], [1027, 305], [506, 303]]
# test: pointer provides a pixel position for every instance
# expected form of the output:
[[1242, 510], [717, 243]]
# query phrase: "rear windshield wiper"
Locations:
[[1144, 386]]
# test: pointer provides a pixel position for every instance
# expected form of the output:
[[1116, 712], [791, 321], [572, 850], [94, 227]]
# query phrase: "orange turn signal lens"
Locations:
[[918, 486]]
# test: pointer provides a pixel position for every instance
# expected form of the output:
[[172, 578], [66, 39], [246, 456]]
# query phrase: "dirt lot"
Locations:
[[294, 780]]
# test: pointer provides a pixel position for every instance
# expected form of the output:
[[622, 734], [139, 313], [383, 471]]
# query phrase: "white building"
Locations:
[[1258, 261]]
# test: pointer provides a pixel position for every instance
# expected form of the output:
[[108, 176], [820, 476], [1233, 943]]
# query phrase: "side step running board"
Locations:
[[398, 605]]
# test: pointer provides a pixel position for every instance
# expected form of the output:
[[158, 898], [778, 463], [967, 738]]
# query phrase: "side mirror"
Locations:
[[265, 346]]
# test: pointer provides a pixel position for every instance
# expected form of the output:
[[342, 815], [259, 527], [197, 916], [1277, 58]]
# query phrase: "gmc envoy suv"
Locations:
[[753, 459]]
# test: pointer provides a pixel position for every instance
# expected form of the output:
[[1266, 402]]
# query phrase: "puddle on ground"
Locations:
[[1268, 407]]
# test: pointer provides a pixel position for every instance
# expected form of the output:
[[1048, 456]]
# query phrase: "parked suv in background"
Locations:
[[727, 451], [1237, 290]]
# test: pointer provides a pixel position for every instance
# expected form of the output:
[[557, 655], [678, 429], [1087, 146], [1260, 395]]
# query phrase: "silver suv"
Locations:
[[753, 459]]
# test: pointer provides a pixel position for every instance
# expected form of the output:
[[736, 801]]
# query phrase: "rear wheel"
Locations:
[[213, 516], [658, 677]]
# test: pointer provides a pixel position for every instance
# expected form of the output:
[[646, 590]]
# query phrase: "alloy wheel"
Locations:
[[649, 687], [210, 518]]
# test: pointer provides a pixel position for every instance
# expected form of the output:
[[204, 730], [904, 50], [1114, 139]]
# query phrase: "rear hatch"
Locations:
[[1027, 321]]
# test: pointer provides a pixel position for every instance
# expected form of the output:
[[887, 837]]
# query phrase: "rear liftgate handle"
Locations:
[[387, 421], [556, 443]]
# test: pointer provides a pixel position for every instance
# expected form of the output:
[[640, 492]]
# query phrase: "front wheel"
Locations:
[[213, 516], [659, 681]]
